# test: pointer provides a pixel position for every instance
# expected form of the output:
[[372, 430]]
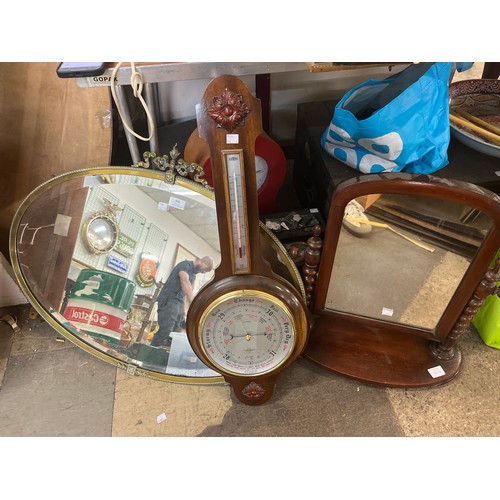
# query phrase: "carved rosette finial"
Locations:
[[228, 110], [253, 391]]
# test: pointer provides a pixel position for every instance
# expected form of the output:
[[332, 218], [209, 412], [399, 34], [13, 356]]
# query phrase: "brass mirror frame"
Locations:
[[340, 342], [282, 257]]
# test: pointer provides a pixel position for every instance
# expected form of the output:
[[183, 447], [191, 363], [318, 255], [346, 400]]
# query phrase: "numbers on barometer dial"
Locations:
[[247, 332]]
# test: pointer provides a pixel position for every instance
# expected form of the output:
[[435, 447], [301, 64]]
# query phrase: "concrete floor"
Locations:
[[49, 387]]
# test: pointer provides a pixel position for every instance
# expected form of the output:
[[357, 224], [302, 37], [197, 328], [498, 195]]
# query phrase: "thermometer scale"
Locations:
[[233, 161]]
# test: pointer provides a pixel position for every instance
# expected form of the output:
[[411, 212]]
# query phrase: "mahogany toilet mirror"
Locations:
[[401, 279]]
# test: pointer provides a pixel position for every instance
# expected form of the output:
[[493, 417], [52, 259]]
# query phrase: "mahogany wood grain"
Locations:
[[376, 356], [227, 108]]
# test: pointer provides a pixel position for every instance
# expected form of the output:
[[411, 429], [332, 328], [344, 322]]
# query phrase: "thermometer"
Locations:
[[233, 161]]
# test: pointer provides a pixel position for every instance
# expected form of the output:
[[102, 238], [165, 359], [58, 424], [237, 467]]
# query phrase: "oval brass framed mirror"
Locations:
[[403, 255], [92, 249]]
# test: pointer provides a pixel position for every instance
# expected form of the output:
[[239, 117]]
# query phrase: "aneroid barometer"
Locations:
[[248, 324]]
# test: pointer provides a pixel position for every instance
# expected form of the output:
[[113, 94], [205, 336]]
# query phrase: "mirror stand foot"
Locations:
[[443, 350]]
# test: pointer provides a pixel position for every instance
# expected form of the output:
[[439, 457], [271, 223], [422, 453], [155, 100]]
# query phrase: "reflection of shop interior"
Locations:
[[142, 211], [138, 235]]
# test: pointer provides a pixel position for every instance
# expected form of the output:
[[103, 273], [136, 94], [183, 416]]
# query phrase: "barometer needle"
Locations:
[[248, 336]]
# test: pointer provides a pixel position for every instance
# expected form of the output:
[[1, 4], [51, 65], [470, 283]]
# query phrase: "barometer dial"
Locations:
[[247, 332]]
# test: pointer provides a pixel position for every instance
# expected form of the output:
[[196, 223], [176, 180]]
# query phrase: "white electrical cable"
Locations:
[[136, 81]]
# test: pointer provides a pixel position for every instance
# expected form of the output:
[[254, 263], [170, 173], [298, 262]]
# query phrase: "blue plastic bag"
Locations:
[[397, 124]]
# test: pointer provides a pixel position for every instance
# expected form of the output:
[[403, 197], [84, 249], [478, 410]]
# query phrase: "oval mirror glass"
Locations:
[[93, 250]]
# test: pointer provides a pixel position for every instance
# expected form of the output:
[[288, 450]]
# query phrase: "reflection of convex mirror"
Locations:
[[100, 231], [96, 297]]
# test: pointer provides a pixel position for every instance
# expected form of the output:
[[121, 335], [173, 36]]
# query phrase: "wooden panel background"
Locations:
[[48, 126]]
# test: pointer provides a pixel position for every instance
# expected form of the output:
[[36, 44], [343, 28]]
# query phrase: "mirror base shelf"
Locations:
[[378, 358]]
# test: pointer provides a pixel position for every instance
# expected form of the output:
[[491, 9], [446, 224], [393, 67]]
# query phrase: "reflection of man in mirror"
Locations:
[[176, 296]]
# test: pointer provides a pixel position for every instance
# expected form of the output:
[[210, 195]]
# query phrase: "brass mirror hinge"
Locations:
[[173, 166], [134, 370], [131, 369]]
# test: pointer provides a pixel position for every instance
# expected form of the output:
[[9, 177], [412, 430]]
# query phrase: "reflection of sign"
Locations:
[[94, 318], [125, 245], [147, 270], [117, 264], [99, 302], [176, 203]]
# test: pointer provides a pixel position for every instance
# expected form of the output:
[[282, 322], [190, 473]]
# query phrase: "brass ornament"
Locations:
[[108, 218], [173, 166]]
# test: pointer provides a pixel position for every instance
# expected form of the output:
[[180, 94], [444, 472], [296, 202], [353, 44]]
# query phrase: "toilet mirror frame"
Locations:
[[338, 330]]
